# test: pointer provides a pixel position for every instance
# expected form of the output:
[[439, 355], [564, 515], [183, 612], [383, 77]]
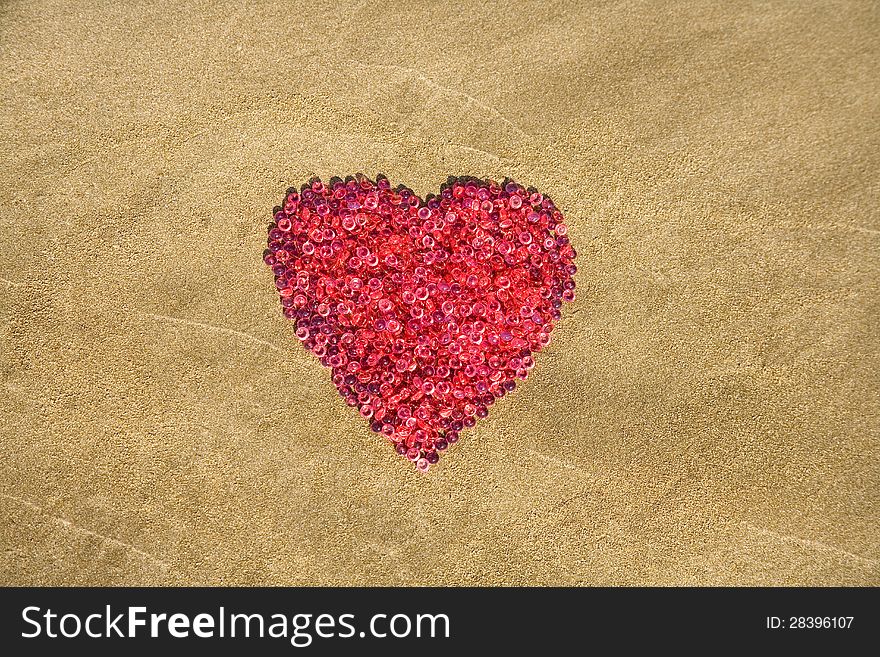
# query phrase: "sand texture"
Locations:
[[706, 414]]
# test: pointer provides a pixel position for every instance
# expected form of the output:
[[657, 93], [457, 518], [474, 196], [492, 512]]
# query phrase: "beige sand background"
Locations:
[[707, 414]]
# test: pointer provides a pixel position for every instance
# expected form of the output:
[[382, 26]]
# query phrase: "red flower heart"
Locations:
[[426, 310]]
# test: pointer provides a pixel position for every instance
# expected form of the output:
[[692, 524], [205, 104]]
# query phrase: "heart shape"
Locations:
[[427, 311]]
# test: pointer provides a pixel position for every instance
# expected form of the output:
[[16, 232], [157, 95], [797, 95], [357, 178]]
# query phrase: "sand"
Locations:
[[706, 414]]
